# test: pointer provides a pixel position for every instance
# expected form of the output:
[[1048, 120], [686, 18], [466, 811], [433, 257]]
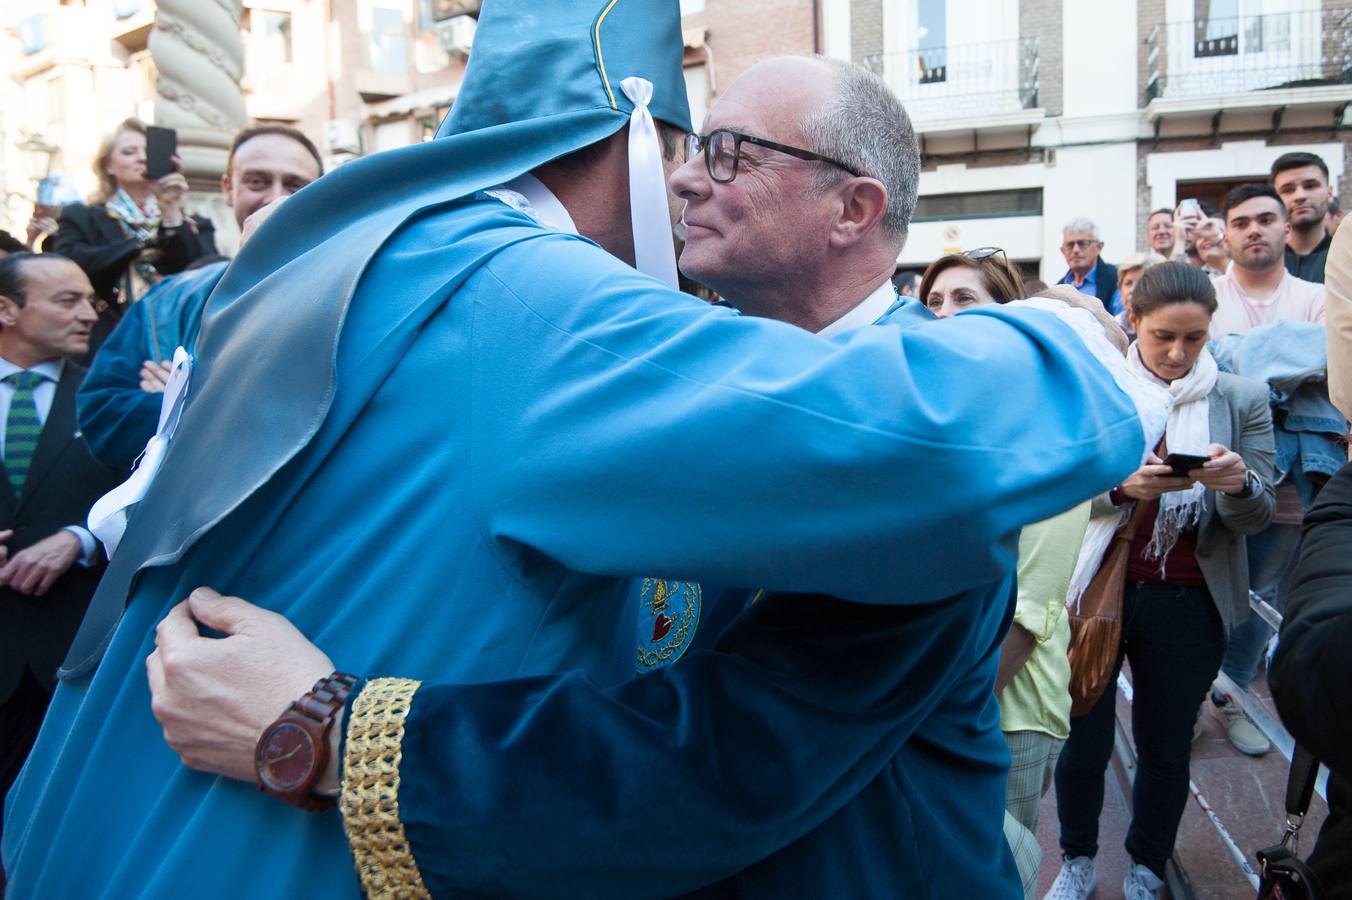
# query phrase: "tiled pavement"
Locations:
[[1246, 793]]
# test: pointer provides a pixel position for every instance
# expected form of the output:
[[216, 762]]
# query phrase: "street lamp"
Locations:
[[37, 156], [37, 159]]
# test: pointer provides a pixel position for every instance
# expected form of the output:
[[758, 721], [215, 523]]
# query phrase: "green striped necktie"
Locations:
[[22, 427]]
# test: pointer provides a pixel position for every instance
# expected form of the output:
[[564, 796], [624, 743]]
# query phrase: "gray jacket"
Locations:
[[1242, 421]]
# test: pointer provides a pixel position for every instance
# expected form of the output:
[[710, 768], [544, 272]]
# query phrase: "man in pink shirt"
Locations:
[[1258, 290]]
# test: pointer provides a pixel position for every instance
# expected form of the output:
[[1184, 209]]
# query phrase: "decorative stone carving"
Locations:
[[199, 55]]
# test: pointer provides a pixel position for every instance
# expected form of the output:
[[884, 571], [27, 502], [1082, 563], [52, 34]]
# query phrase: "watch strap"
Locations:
[[315, 711], [1252, 486], [327, 697]]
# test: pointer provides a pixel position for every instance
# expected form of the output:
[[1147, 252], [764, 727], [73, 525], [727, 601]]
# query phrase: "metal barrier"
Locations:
[[1206, 56], [1271, 727], [1179, 885], [964, 79]]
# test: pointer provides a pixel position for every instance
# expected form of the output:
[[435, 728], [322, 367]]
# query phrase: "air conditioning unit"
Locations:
[[456, 35], [442, 10], [342, 136]]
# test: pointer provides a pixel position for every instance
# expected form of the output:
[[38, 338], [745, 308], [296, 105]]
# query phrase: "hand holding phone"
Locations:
[[1183, 463], [1154, 479], [161, 147]]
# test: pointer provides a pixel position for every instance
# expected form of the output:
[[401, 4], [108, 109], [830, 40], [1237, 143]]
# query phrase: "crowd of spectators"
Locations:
[[1224, 309], [93, 304]]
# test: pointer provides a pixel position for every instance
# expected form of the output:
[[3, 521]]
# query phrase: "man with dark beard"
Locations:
[[1302, 181]]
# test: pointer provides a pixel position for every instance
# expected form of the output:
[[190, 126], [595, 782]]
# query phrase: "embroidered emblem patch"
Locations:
[[668, 616]]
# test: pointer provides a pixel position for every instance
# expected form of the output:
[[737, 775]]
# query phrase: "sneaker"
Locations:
[[1243, 734], [1075, 881], [1141, 884]]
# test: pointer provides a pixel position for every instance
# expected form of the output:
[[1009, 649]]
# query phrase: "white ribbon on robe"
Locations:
[[108, 517], [654, 248]]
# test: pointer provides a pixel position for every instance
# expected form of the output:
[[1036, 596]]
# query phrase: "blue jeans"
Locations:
[[1272, 556], [1174, 637]]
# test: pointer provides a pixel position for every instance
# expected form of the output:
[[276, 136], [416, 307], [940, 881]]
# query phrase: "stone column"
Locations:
[[199, 55]]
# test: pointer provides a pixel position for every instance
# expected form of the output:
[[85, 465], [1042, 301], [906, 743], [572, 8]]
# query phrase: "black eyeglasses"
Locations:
[[985, 252], [723, 148]]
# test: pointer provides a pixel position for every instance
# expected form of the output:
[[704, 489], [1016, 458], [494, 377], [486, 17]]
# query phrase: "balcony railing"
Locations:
[[1205, 57], [963, 80]]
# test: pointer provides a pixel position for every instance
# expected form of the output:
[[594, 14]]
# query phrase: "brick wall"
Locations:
[[1149, 14], [742, 32], [1294, 136], [1142, 192], [1042, 18], [866, 28]]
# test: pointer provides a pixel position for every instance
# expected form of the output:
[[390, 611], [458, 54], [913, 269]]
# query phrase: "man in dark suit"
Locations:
[[50, 562], [1081, 244]]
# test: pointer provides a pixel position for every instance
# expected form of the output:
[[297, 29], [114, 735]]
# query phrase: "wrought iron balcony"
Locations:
[[962, 80], [1236, 54]]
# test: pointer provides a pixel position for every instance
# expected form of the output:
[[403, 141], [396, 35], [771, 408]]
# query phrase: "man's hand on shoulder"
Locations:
[[34, 569], [154, 376], [215, 696]]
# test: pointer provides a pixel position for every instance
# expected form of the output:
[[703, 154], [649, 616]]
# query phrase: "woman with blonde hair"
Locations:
[[134, 230]]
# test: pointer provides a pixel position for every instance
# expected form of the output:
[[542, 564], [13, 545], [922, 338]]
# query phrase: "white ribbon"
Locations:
[[1152, 403], [108, 517], [654, 249]]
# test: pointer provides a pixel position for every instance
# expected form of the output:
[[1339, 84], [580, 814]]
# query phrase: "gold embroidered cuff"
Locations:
[[369, 799]]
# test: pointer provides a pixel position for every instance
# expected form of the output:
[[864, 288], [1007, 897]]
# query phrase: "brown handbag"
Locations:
[[1096, 628]]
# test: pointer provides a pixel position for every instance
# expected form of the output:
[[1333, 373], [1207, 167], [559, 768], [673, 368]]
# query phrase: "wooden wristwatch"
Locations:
[[293, 751]]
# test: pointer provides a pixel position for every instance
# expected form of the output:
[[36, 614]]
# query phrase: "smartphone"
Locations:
[[161, 144], [1183, 463], [1190, 207], [47, 192]]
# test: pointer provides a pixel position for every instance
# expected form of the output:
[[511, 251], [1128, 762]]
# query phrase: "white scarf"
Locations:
[[1098, 536], [1188, 431]]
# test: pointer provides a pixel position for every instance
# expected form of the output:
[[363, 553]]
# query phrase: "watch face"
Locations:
[[285, 757]]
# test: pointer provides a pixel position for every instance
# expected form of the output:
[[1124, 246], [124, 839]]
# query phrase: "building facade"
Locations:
[[1034, 112], [357, 76], [354, 75], [1029, 112]]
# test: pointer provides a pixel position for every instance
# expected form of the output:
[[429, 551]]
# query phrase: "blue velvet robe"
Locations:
[[117, 417], [812, 746], [520, 424]]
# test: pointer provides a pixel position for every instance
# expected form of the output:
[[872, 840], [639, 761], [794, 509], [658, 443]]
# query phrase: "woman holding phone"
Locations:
[[1187, 580], [134, 231]]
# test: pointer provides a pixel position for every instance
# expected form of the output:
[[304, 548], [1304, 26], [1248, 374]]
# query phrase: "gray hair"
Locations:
[[1136, 261], [1080, 223], [865, 126]]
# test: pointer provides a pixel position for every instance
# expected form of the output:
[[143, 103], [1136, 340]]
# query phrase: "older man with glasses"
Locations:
[[1081, 244]]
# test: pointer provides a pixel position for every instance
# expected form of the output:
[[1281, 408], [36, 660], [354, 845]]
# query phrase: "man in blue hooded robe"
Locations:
[[449, 457]]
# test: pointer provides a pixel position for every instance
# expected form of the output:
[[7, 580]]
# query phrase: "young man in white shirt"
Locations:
[[1257, 290]]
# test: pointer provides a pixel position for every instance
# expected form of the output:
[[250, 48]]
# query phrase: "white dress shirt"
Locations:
[[867, 312], [528, 194], [43, 395]]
